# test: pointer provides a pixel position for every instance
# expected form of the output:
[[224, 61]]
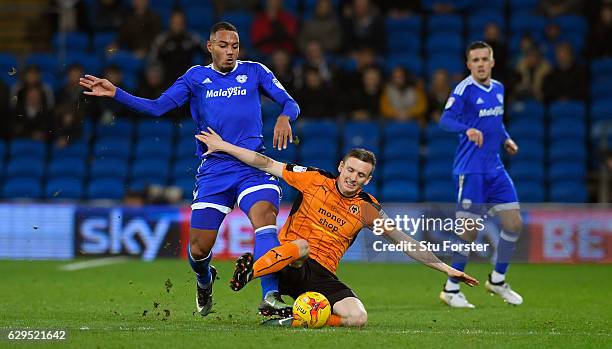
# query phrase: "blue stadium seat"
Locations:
[[438, 170], [410, 62], [187, 184], [91, 63], [601, 88], [185, 168], [78, 149], [527, 170], [565, 149], [568, 128], [322, 163], [444, 44], [3, 148], [527, 24], [105, 168], [404, 25], [269, 112], [44, 61], [572, 23], [153, 147], [127, 61], [372, 188], [67, 167], [318, 129], [523, 5], [27, 147], [106, 188], [289, 193], [162, 129], [200, 18], [399, 170], [530, 191], [22, 188], [573, 110], [25, 167], [74, 41], [601, 67], [8, 61], [400, 191], [151, 169], [444, 24], [568, 191], [400, 129], [285, 155], [112, 148], [601, 110], [530, 150], [567, 170], [186, 148], [362, 135], [526, 129], [440, 191], [319, 148], [118, 128], [64, 188], [453, 63], [242, 21], [401, 149], [488, 5], [186, 129], [102, 39], [441, 150], [526, 110], [479, 20]]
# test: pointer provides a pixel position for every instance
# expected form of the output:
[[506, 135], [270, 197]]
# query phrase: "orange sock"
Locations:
[[334, 321], [276, 259]]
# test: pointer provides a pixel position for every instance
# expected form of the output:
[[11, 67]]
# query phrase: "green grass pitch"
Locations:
[[151, 305]]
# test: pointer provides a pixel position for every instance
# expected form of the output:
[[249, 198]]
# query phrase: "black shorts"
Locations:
[[312, 276]]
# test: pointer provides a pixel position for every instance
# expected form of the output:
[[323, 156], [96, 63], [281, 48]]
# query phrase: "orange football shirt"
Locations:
[[321, 215]]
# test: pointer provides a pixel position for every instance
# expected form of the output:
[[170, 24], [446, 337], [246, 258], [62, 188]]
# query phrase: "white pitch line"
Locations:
[[93, 263]]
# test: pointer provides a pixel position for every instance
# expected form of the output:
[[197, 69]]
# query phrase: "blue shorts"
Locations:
[[221, 183], [478, 193]]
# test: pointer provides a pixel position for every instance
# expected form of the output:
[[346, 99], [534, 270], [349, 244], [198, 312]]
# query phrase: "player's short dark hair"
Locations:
[[363, 155], [475, 46], [222, 26]]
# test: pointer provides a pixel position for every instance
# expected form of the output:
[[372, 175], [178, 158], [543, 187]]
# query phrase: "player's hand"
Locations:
[[282, 133], [98, 87], [213, 141], [463, 277], [511, 147], [475, 136]]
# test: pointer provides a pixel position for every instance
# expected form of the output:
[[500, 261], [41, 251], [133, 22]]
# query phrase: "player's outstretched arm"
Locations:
[[214, 142], [155, 107], [427, 257]]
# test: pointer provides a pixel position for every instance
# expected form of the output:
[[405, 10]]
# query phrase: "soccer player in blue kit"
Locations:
[[225, 96], [475, 110]]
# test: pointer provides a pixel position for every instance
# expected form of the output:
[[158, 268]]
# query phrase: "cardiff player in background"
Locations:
[[324, 221], [475, 110], [224, 95]]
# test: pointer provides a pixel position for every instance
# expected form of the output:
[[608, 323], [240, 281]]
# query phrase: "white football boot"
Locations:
[[455, 299], [504, 290]]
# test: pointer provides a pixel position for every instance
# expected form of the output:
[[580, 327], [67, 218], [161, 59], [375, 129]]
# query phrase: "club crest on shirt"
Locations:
[[242, 78], [450, 102], [278, 84], [354, 209], [466, 203], [500, 98]]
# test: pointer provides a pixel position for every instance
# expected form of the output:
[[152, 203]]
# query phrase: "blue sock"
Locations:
[[201, 268], [505, 250], [458, 262], [266, 238]]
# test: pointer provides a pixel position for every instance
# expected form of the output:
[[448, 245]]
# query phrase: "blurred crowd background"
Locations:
[[364, 72]]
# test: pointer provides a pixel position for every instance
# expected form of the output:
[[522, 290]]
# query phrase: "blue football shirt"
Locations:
[[472, 105]]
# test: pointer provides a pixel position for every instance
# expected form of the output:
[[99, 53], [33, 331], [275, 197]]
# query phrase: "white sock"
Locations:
[[497, 277], [451, 286]]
